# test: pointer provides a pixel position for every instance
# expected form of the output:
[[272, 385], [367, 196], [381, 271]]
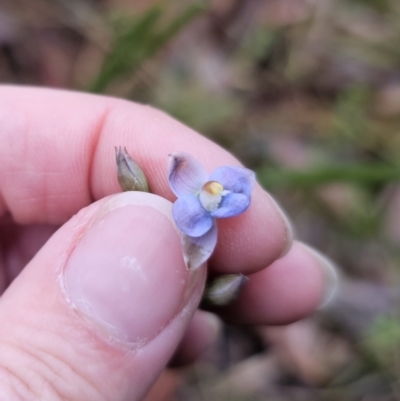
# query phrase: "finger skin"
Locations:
[[50, 351], [58, 156], [20, 244], [202, 332], [288, 290], [166, 387]]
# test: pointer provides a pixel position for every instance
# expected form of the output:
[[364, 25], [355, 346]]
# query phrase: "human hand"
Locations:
[[101, 308]]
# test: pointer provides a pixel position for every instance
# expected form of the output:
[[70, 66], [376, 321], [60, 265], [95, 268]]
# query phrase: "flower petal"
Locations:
[[197, 250], [190, 217], [235, 179], [186, 175], [231, 205]]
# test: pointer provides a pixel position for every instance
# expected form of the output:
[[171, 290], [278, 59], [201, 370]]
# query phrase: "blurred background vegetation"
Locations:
[[305, 92]]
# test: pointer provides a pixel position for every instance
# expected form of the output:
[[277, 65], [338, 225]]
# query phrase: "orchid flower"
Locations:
[[202, 198]]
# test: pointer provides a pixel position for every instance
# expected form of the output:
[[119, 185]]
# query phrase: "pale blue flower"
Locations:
[[202, 198]]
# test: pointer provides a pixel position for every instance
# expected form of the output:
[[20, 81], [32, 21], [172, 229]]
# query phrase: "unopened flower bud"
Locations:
[[130, 175], [223, 289]]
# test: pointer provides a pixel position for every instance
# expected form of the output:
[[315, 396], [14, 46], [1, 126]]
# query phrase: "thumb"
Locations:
[[99, 311]]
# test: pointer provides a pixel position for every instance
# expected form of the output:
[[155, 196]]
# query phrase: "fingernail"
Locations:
[[127, 274], [330, 274], [289, 233]]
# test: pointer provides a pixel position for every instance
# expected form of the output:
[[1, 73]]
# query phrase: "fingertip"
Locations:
[[202, 332], [71, 309], [330, 273], [290, 289]]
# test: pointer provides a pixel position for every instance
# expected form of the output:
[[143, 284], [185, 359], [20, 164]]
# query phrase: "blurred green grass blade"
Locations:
[[126, 50], [138, 43], [176, 25], [366, 174]]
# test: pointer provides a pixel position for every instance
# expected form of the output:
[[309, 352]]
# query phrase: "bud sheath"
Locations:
[[223, 289], [130, 175]]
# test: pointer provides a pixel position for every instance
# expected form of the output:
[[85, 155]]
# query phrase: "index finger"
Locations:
[[57, 152]]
